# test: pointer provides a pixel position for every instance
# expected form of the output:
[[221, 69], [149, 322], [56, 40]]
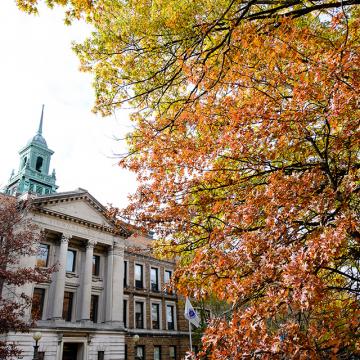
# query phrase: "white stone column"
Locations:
[[87, 281], [114, 285], [60, 278]]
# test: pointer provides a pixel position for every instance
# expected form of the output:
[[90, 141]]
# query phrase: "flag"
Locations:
[[190, 314]]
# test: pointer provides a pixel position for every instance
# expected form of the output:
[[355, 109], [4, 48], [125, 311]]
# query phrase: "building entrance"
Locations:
[[70, 351]]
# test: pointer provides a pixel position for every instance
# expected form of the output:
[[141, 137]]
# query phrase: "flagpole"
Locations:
[[190, 336]]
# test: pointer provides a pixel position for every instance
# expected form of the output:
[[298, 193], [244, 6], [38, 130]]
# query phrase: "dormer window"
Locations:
[[39, 163]]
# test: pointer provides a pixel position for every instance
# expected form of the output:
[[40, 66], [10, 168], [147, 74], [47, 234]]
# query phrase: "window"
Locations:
[[172, 352], [41, 355], [96, 265], [154, 279], [39, 163], [167, 278], [126, 352], [67, 305], [157, 352], [139, 275], [125, 312], [37, 303], [170, 317], [139, 315], [155, 316], [140, 352], [70, 260], [94, 305], [42, 257], [101, 355], [125, 273], [24, 161]]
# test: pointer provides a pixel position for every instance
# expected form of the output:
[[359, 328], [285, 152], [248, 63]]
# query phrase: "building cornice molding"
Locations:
[[40, 202]]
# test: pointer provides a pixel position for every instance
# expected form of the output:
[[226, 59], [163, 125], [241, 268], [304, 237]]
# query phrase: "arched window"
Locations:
[[39, 162], [24, 161]]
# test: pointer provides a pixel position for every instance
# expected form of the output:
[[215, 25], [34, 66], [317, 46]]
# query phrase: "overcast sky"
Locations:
[[37, 66]]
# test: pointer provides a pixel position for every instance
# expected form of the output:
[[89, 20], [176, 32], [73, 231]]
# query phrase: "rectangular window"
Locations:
[[101, 355], [155, 316], [126, 352], [172, 352], [154, 279], [167, 278], [70, 260], [37, 304], [140, 352], [67, 305], [139, 315], [139, 276], [170, 317], [96, 265], [125, 273], [94, 306], [157, 353], [41, 355], [125, 312], [42, 257]]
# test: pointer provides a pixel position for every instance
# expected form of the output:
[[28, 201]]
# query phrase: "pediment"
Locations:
[[78, 206], [80, 209]]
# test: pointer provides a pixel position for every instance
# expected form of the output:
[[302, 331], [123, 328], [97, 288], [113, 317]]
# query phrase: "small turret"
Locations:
[[33, 174]]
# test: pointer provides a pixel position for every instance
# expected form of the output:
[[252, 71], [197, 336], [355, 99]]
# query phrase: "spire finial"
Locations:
[[41, 121]]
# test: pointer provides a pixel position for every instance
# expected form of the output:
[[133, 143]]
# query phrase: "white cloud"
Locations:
[[37, 66]]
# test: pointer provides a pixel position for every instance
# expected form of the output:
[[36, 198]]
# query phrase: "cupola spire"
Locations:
[[33, 174], [41, 121]]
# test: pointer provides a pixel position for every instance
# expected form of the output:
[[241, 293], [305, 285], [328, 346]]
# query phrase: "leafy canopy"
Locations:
[[246, 146]]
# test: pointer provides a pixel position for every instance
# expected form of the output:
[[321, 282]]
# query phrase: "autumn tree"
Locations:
[[18, 239], [246, 145]]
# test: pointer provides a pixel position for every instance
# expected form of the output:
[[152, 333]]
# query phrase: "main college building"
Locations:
[[106, 301]]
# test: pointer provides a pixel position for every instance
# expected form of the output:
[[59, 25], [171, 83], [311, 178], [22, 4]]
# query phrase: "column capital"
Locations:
[[65, 238], [117, 247], [90, 244]]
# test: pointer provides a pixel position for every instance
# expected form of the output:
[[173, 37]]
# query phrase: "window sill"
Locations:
[[71, 274]]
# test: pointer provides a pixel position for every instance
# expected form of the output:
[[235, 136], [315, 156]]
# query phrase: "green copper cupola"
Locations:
[[33, 174]]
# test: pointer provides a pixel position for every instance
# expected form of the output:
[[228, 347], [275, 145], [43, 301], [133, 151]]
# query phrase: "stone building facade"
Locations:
[[107, 300], [151, 311]]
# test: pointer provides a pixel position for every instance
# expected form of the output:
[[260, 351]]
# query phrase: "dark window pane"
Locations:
[[138, 276], [139, 315], [125, 312], [37, 303], [101, 355], [170, 317], [154, 279], [39, 163], [70, 260], [155, 316], [41, 355], [125, 273], [67, 306], [42, 257], [94, 305], [96, 265]]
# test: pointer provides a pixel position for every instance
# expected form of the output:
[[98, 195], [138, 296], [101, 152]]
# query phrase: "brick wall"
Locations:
[[149, 337]]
